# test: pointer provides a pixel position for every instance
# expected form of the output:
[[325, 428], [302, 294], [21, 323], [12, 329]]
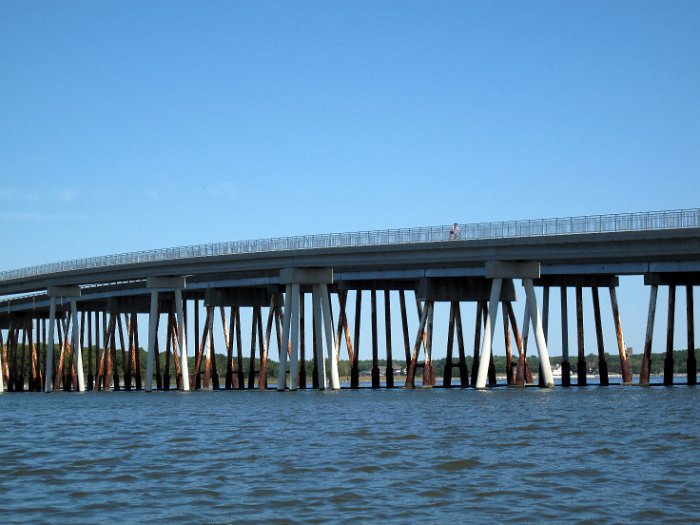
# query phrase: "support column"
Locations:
[[294, 335], [545, 329], [447, 373], [331, 342], [602, 363], [387, 334], [625, 365], [646, 358], [77, 350], [318, 335], [485, 354], [691, 363], [539, 334], [565, 365], [152, 316], [286, 325], [375, 343], [48, 383], [182, 339], [581, 378], [668, 360]]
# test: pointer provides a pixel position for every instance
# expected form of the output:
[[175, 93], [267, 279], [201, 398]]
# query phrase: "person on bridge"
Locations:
[[454, 232]]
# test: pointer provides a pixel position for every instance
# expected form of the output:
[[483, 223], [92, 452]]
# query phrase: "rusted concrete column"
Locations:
[[375, 346], [404, 326], [509, 348], [253, 340], [602, 363], [302, 342], [646, 358], [286, 327], [581, 368], [387, 334], [691, 363], [668, 361], [565, 364], [625, 364], [354, 370], [428, 374]]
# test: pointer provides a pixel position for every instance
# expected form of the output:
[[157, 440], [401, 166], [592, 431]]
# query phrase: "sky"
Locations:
[[131, 125]]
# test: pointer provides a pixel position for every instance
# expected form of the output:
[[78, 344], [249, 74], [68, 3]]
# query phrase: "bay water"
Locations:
[[506, 455]]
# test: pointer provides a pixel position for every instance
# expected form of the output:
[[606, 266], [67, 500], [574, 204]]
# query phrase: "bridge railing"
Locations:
[[656, 220]]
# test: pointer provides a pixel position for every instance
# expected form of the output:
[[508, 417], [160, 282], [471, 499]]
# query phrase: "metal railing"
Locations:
[[656, 220]]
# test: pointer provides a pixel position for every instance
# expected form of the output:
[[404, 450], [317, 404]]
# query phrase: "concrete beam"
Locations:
[[136, 305], [63, 291], [376, 285], [512, 269], [675, 279], [160, 282], [306, 276], [237, 297], [571, 281], [462, 289]]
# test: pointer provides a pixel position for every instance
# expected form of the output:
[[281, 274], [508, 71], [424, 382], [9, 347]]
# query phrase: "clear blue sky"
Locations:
[[130, 125]]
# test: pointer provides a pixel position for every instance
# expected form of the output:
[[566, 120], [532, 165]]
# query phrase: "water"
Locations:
[[580, 455]]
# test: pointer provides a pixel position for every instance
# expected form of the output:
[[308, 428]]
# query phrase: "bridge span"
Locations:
[[99, 300]]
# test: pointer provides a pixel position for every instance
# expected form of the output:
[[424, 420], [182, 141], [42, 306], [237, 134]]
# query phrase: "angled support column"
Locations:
[[539, 334], [71, 292], [286, 325], [157, 284], [77, 347], [487, 342], [331, 341]]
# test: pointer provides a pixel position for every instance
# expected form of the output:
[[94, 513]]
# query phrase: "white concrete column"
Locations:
[[539, 333], [152, 318], [48, 384], [331, 342], [487, 342], [77, 350], [182, 340], [294, 336], [287, 323], [318, 333]]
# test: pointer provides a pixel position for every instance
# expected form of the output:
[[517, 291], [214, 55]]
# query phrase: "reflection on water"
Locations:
[[582, 455]]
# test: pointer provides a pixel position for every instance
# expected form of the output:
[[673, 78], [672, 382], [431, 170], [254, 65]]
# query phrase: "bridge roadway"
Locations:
[[666, 256]]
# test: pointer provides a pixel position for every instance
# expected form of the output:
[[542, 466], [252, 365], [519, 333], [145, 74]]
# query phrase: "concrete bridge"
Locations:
[[481, 263]]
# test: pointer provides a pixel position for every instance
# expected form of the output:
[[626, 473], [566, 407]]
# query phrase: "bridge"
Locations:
[[55, 317]]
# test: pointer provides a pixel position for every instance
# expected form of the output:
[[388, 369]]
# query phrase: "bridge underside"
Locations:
[[90, 318]]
